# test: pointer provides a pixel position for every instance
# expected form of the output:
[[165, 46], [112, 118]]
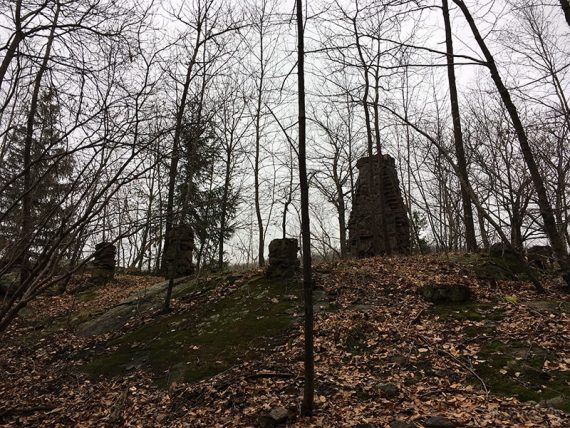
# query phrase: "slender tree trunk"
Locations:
[[483, 229], [516, 234], [289, 196], [470, 238], [175, 157], [546, 211], [380, 159], [139, 260], [309, 387], [368, 123], [260, 229], [169, 256], [13, 47], [227, 180], [565, 4], [341, 211], [27, 223]]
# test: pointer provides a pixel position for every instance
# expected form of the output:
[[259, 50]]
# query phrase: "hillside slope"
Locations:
[[232, 350]]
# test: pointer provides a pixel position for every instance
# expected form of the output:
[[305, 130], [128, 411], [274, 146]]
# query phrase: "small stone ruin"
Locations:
[[283, 262], [180, 249], [103, 263], [373, 229], [540, 257]]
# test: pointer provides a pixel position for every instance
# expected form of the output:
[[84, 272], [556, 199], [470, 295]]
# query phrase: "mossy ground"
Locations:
[[487, 267], [516, 369], [510, 368], [195, 344], [372, 329], [469, 311]]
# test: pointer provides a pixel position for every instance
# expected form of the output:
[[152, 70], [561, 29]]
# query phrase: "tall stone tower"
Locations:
[[378, 222]]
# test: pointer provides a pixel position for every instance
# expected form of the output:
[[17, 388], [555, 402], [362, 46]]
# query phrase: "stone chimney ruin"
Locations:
[[378, 222]]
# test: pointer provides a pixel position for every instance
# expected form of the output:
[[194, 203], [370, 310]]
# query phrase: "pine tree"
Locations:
[[51, 169]]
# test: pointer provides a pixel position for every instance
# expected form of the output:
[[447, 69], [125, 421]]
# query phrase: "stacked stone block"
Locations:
[[283, 262], [103, 263], [180, 249], [379, 221]]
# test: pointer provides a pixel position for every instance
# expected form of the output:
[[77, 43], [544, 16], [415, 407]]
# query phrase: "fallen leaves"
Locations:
[[379, 332]]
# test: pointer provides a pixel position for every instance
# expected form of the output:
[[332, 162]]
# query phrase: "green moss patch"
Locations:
[[469, 311], [199, 343], [486, 267], [516, 369]]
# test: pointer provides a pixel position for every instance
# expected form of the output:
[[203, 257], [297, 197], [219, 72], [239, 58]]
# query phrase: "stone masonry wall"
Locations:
[[365, 227]]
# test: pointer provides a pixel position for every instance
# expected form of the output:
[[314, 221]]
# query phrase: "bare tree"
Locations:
[[546, 211], [309, 386], [457, 133]]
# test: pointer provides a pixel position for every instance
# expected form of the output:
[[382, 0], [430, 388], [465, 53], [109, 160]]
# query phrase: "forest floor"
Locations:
[[232, 350]]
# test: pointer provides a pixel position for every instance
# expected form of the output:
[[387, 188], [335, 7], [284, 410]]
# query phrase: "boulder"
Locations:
[[275, 417], [446, 293], [499, 249], [388, 390], [279, 414], [401, 424], [540, 256], [439, 422], [8, 283]]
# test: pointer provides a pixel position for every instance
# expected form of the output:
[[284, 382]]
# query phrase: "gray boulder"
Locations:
[[9, 283], [446, 293]]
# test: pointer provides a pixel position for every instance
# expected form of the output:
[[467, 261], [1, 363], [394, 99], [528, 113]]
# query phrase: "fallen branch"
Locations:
[[263, 375], [465, 366], [25, 410]]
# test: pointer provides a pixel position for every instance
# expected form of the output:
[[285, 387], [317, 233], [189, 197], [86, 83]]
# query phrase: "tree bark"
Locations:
[[227, 182], [13, 47], [565, 4], [260, 229], [470, 238], [309, 363]]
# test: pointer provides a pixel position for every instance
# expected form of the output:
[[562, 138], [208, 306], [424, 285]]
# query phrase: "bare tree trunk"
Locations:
[[27, 226], [483, 230], [309, 387], [139, 260], [368, 123], [261, 234], [227, 182], [470, 239], [565, 4], [383, 223], [289, 195], [546, 211], [173, 171], [474, 199], [13, 47]]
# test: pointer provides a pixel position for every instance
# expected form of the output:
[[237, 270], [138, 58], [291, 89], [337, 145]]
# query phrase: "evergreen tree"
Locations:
[[51, 169], [200, 191]]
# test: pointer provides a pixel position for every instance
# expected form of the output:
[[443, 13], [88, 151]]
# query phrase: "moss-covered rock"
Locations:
[[446, 293], [217, 335], [515, 369]]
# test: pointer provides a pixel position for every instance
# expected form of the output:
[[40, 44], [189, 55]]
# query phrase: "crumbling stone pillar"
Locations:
[[103, 263], [180, 249], [375, 229], [283, 262]]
